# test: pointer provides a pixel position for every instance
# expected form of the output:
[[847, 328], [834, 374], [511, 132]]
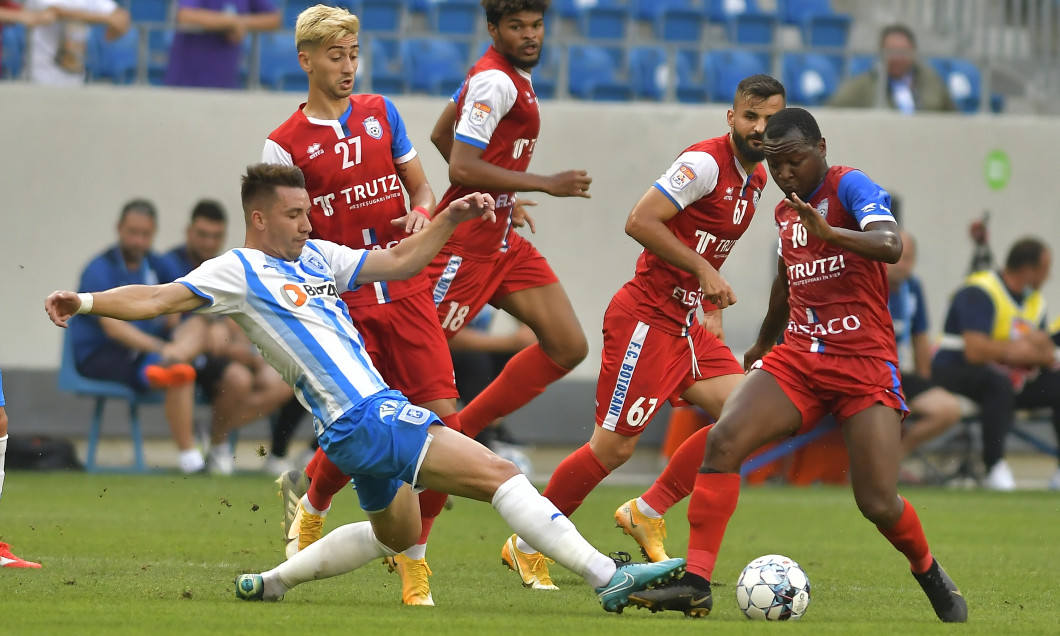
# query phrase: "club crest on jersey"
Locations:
[[313, 264], [683, 176], [822, 208], [314, 151], [757, 195], [373, 127], [479, 113]]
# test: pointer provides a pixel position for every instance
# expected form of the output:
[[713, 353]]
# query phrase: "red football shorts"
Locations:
[[463, 285], [821, 383], [643, 365], [407, 347]]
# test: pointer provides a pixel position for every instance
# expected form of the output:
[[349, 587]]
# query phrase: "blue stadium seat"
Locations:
[[546, 73], [572, 8], [692, 78], [810, 78], [672, 20], [387, 71], [280, 70], [159, 42], [379, 16], [751, 28], [71, 381], [14, 45], [605, 21], [291, 9], [594, 74], [114, 62], [719, 11], [964, 80], [858, 64], [648, 73], [456, 17], [726, 67], [434, 66], [796, 11], [826, 30], [153, 11]]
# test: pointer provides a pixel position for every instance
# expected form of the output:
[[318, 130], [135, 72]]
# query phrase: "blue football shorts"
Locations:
[[380, 443]]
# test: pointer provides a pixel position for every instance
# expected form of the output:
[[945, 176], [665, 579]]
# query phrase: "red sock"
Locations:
[[327, 481], [907, 536], [432, 502], [524, 377], [713, 502], [314, 464], [679, 477], [574, 479], [684, 422]]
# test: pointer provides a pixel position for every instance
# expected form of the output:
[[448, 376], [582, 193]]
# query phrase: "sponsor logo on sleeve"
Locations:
[[480, 112], [681, 177], [373, 127]]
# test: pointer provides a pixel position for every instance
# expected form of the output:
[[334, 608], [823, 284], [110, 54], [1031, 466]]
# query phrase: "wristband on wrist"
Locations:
[[422, 210], [86, 303]]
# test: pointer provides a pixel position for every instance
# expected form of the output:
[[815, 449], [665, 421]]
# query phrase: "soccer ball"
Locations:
[[250, 587], [773, 588]]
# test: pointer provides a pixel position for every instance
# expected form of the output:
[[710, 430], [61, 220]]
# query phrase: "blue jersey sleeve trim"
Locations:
[[668, 196], [864, 198], [456, 93], [400, 144], [471, 141], [198, 292]]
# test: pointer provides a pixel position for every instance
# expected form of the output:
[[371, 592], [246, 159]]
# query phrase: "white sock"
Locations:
[[342, 550], [191, 460], [647, 510], [311, 510], [417, 552], [523, 546], [3, 452], [544, 526]]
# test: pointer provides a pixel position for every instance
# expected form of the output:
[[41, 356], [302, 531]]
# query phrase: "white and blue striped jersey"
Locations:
[[293, 312]]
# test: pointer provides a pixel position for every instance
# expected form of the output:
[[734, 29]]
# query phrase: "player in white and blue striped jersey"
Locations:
[[283, 290]]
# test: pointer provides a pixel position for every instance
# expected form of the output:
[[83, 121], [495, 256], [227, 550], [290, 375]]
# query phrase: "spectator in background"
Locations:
[[143, 354], [240, 386], [206, 51], [57, 48], [996, 350], [911, 84], [932, 409]]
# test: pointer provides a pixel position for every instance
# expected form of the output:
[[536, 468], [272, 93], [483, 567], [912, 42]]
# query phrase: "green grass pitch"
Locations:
[[156, 554]]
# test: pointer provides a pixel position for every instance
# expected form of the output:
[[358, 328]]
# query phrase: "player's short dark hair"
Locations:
[[139, 206], [1026, 252], [787, 119], [760, 87], [497, 9], [897, 28], [209, 210], [262, 179]]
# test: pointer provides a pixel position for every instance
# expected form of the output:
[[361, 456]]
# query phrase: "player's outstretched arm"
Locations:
[[468, 169], [776, 318], [411, 255], [131, 302]]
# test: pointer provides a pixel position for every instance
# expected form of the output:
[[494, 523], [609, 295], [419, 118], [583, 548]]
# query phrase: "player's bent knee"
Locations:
[[881, 509]]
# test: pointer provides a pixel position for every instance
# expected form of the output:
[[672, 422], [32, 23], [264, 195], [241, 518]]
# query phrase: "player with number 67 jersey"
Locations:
[[654, 348]]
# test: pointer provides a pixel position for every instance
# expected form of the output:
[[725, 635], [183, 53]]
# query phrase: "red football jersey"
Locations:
[[838, 299], [717, 200], [498, 113], [350, 176]]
